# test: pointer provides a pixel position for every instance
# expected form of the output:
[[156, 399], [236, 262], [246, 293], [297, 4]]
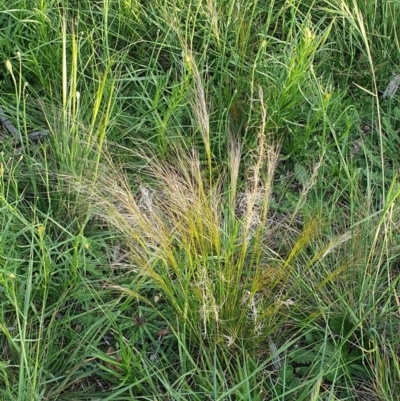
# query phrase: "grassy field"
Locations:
[[210, 208]]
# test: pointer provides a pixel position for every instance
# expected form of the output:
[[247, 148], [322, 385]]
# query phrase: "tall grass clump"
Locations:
[[297, 297], [61, 65], [193, 239]]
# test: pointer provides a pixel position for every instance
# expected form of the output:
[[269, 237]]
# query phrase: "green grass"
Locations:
[[214, 212]]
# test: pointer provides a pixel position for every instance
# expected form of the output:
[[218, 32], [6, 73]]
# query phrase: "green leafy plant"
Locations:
[[317, 348]]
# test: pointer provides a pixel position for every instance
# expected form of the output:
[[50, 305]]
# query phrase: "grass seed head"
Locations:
[[8, 66]]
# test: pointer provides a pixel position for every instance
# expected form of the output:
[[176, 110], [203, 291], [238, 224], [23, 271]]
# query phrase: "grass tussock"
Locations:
[[198, 242]]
